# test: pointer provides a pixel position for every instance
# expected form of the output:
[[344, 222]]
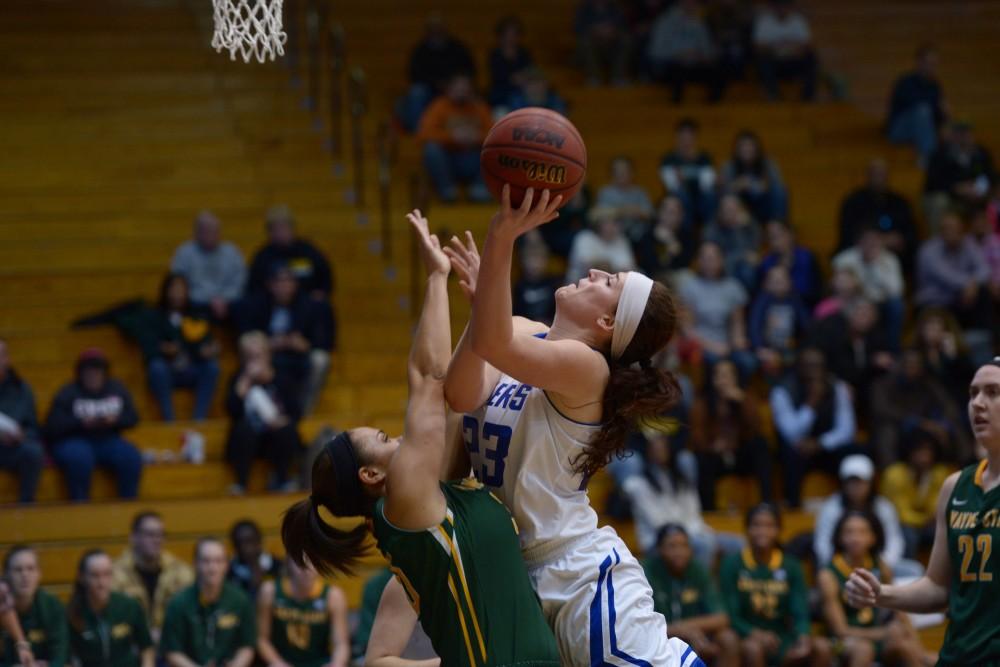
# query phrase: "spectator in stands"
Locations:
[[211, 622], [782, 248], [738, 236], [301, 331], [264, 409], [814, 420], [41, 614], [666, 246], [631, 201], [876, 204], [755, 178], [536, 92], [559, 234], [604, 246], [881, 279], [686, 595], [960, 173], [179, 349], [437, 58], [717, 303], [730, 23], [534, 292], [680, 50], [508, 60], [988, 239], [765, 593], [783, 44], [214, 268], [687, 172], [726, 435], [778, 320], [913, 484], [939, 338], [250, 565], [13, 638], [855, 346], [452, 130], [917, 107], [106, 627], [84, 428], [311, 268], [602, 41], [147, 572], [20, 446], [845, 289], [642, 14], [296, 602]]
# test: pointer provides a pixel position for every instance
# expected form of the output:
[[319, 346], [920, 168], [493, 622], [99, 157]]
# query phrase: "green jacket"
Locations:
[[209, 632], [114, 637], [44, 625], [691, 595]]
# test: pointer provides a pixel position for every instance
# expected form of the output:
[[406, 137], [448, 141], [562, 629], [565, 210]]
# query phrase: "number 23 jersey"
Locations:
[[523, 449]]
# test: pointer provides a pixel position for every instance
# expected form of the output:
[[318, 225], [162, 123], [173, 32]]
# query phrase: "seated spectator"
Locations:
[[870, 633], [855, 346], [666, 246], [147, 573], [686, 595], [298, 607], [726, 435], [917, 107], [509, 60], [782, 41], [778, 320], [946, 356], [40, 614], [680, 50], [687, 172], [814, 420], [264, 409], [876, 204], [717, 304], [913, 484], [960, 174], [845, 290], [436, 58], [179, 349], [307, 262], [214, 269], [738, 236], [560, 233], [602, 41], [642, 15], [536, 91], [755, 178], [251, 565], [857, 492], [988, 239], [534, 294], [94, 609], [782, 248], [631, 202], [211, 622], [730, 23], [881, 279], [452, 130], [767, 599], [84, 428], [20, 442], [301, 331], [604, 247], [13, 638]]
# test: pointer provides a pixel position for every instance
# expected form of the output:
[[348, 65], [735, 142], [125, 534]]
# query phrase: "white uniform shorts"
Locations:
[[596, 598]]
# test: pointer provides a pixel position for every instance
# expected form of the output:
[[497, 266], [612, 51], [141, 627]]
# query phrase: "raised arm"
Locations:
[[394, 623]]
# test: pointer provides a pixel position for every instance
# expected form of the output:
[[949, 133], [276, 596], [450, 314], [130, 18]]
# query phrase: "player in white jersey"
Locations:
[[548, 407]]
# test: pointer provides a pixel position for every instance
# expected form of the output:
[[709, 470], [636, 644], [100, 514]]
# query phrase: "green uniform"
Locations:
[[768, 596], [690, 595], [300, 630], [209, 632], [44, 625], [468, 584], [973, 520], [114, 637], [856, 618], [371, 595]]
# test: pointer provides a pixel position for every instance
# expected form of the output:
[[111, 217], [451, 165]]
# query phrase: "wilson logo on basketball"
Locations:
[[535, 171], [538, 136]]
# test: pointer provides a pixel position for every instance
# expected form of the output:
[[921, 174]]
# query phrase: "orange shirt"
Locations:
[[443, 116]]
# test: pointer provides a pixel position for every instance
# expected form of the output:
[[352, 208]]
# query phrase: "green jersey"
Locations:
[[114, 637], [209, 632], [44, 625], [300, 630], [768, 596], [856, 618], [973, 520], [468, 583], [691, 594]]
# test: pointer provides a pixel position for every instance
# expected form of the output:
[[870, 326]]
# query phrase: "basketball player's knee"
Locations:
[[728, 641], [822, 651], [859, 650], [752, 651]]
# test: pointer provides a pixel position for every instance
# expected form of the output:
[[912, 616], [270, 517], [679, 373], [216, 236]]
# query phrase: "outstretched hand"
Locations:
[[863, 589], [465, 262], [435, 261], [533, 212]]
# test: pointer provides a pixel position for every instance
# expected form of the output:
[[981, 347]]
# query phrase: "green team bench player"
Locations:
[[40, 614]]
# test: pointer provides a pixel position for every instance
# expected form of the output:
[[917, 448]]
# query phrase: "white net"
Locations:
[[250, 28]]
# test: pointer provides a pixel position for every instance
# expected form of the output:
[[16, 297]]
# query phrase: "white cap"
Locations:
[[857, 465]]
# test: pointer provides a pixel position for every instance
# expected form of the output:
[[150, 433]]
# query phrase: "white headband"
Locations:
[[631, 306]]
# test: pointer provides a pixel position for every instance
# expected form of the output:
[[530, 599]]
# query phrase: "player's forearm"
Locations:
[[492, 329], [465, 384], [923, 596], [431, 349], [243, 657]]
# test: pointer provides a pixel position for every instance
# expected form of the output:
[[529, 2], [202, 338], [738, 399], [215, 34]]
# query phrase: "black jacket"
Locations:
[[73, 403], [17, 401], [313, 319], [305, 260]]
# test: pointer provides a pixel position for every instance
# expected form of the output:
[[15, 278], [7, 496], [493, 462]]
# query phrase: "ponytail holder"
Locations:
[[631, 306]]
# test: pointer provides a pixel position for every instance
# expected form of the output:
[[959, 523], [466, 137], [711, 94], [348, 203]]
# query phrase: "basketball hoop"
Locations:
[[250, 28]]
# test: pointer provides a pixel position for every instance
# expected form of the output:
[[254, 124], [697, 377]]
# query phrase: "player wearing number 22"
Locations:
[[963, 575]]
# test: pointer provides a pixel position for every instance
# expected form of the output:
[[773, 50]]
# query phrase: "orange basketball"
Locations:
[[534, 148]]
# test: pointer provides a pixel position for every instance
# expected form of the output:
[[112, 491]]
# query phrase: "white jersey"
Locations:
[[523, 448]]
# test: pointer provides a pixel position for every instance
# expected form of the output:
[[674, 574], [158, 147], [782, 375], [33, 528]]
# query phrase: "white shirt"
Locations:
[[880, 280], [654, 508], [830, 513], [769, 29], [591, 251]]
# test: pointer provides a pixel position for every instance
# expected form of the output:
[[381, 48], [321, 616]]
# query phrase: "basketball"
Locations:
[[534, 148]]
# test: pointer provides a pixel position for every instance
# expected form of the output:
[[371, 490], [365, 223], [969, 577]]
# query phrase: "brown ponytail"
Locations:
[[634, 394], [78, 599]]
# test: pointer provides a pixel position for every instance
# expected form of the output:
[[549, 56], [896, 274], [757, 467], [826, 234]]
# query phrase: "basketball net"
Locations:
[[250, 28]]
